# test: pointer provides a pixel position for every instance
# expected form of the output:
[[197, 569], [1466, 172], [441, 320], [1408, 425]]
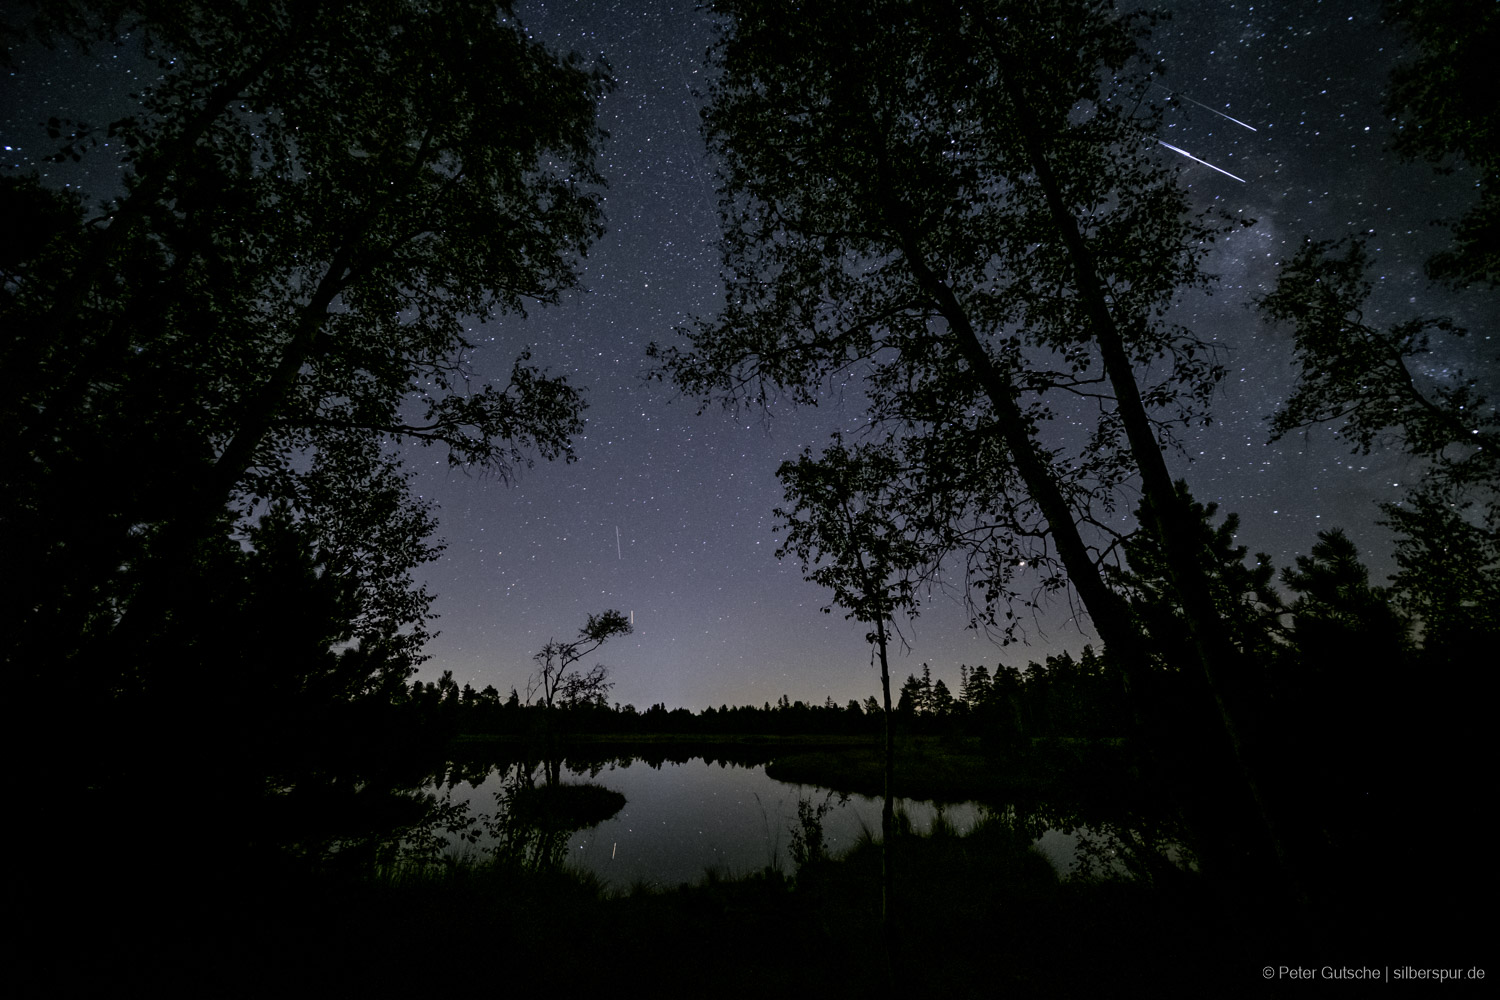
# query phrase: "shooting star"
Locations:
[[1196, 160], [618, 554], [1216, 111], [1221, 114]]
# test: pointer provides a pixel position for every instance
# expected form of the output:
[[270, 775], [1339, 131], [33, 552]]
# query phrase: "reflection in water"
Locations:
[[682, 820]]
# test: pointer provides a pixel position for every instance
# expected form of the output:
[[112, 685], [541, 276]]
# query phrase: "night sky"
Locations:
[[717, 618]]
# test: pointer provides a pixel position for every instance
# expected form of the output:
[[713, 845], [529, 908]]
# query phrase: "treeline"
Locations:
[[1060, 696]]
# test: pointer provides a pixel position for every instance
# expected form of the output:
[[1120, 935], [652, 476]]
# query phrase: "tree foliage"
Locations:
[[843, 525], [1337, 612], [1442, 99], [1377, 386], [883, 228], [958, 209], [1248, 603], [274, 291], [315, 205]]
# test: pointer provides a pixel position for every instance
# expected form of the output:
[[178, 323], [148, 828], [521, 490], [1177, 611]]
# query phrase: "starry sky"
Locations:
[[667, 514]]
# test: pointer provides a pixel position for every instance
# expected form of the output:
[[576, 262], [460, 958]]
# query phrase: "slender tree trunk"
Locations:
[[164, 577], [1168, 518], [887, 817], [888, 807], [1109, 612]]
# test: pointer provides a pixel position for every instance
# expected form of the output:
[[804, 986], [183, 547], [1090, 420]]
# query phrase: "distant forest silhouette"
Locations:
[[1058, 697]]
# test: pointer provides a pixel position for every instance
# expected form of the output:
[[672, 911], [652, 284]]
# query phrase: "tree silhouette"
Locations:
[[1442, 102], [272, 292], [961, 210], [1368, 382], [557, 683], [1338, 615], [316, 205], [842, 528], [562, 688]]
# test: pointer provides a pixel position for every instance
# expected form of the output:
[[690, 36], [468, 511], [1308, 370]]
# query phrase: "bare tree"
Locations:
[[557, 684]]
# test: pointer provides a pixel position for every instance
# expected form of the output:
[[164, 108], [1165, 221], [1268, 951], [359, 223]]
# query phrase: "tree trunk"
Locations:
[[888, 807], [1168, 518], [164, 576], [1109, 612]]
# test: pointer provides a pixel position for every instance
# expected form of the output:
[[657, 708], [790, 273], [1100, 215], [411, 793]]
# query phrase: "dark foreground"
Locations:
[[977, 915]]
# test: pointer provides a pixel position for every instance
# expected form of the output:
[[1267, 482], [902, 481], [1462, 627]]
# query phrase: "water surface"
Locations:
[[682, 820]]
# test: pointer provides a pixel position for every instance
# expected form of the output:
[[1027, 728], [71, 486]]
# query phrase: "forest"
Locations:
[[225, 357]]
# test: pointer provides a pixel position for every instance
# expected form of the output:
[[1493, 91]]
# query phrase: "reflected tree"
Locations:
[[561, 687], [849, 538], [958, 209], [533, 823]]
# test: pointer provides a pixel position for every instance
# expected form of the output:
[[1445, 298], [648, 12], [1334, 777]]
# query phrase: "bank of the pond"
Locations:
[[976, 915], [960, 770]]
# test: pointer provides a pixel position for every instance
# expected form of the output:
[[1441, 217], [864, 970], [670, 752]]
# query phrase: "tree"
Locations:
[[942, 700], [1442, 101], [317, 204], [958, 206], [840, 527], [1247, 602], [1359, 724], [1369, 383], [1339, 617], [274, 290], [975, 687], [556, 681], [562, 688], [288, 735]]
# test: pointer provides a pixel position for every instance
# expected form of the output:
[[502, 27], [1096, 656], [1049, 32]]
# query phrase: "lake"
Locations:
[[683, 819]]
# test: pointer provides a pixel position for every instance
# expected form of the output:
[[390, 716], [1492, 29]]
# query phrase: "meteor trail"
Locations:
[[1216, 111], [1221, 114], [618, 554], [1196, 160]]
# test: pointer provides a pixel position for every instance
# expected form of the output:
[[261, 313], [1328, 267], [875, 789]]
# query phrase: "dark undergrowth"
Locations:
[[974, 915]]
